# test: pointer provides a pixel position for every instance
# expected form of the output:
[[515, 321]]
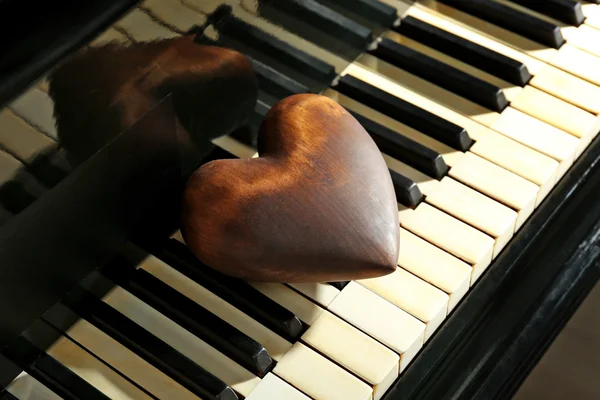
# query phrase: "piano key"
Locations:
[[276, 48], [339, 285], [26, 387], [354, 351], [513, 156], [274, 344], [213, 361], [326, 20], [140, 27], [91, 370], [20, 139], [390, 325], [37, 109], [465, 50], [499, 14], [545, 138], [404, 149], [579, 63], [373, 10], [44, 85], [49, 167], [407, 191], [126, 362], [552, 80], [275, 83], [475, 209], [446, 132], [446, 76], [560, 114], [567, 11], [238, 293], [316, 376], [173, 14], [493, 180], [271, 387], [435, 266], [307, 311], [450, 234], [321, 293], [510, 90], [448, 154], [145, 344], [190, 315]]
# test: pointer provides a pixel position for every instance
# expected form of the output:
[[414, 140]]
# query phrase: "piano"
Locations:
[[487, 114]]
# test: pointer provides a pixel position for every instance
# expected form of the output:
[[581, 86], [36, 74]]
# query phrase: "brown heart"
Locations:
[[317, 206]]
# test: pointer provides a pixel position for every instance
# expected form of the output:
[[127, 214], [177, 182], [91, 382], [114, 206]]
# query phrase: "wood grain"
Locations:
[[317, 205], [103, 90]]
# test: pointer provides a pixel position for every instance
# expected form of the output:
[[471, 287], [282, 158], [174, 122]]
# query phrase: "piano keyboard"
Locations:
[[479, 109]]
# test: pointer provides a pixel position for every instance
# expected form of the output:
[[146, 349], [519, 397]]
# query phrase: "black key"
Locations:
[[326, 20], [444, 75], [407, 191], [49, 167], [405, 112], [234, 291], [149, 347], [272, 46], [404, 149], [340, 285], [51, 373], [4, 395], [275, 83], [373, 10], [533, 28], [471, 53], [567, 11], [191, 316]]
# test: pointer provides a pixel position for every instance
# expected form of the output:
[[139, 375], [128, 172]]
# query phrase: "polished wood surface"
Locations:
[[318, 205], [214, 90]]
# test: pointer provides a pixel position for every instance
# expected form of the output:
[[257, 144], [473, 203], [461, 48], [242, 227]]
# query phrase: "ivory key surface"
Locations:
[[272, 387]]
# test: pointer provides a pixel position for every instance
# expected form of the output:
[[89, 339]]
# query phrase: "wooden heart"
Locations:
[[318, 204]]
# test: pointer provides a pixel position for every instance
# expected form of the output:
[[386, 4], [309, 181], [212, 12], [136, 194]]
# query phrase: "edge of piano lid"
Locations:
[[47, 36]]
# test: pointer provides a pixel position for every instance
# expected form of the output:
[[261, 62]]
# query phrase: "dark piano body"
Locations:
[[484, 349]]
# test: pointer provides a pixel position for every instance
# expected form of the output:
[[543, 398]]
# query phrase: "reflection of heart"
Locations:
[[318, 205]]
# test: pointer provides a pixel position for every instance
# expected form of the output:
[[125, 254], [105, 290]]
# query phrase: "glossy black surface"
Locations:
[[531, 27], [405, 112], [148, 346], [191, 316], [497, 64], [444, 75], [407, 191], [234, 291], [567, 11], [372, 10], [404, 149]]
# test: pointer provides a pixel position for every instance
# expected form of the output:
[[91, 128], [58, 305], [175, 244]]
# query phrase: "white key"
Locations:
[[355, 351], [578, 62], [275, 345], [20, 138], [26, 387], [174, 14], [497, 183], [213, 361], [538, 135], [236, 148], [321, 293], [318, 377], [97, 374], [272, 387], [521, 160], [37, 109], [381, 320], [450, 234], [110, 35], [435, 266], [464, 203], [485, 214], [141, 28], [413, 295], [127, 363], [306, 310]]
